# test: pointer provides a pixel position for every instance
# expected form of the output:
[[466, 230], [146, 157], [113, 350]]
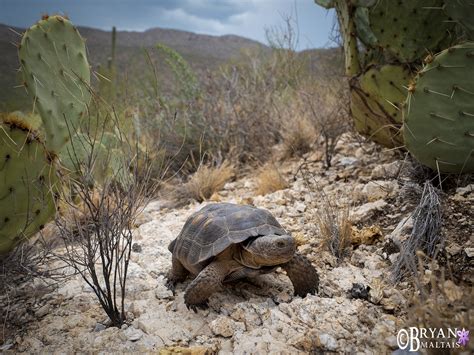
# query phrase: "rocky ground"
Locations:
[[264, 316]]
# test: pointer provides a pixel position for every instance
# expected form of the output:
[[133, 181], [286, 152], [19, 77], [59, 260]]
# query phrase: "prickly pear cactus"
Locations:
[[409, 29], [345, 10], [56, 73], [27, 180], [439, 112], [377, 100], [462, 12]]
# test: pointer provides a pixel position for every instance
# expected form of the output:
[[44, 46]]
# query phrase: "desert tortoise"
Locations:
[[223, 242]]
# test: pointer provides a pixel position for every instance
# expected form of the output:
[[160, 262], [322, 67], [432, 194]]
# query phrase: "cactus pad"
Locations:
[[56, 72], [462, 11], [439, 113], [409, 29], [388, 84], [376, 103], [27, 178]]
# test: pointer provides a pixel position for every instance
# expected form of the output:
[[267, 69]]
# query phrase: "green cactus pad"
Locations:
[[462, 11], [371, 121], [409, 29], [27, 179], [388, 85], [439, 112], [56, 73], [364, 32], [377, 97], [348, 32]]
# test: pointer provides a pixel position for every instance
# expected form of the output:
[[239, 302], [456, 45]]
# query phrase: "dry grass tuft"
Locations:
[[334, 226], [298, 137], [425, 236], [270, 180], [205, 182], [300, 239]]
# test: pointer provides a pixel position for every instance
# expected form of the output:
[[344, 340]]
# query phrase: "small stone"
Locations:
[[469, 252], [136, 248], [464, 191], [359, 291], [391, 342], [226, 327], [328, 342], [42, 311], [393, 257], [300, 207], [348, 161], [133, 334], [401, 231], [376, 190], [367, 210], [283, 297], [453, 248], [162, 292], [386, 171], [99, 327], [394, 301]]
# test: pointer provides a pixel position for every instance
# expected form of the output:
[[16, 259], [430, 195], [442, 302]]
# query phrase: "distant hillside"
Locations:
[[201, 51]]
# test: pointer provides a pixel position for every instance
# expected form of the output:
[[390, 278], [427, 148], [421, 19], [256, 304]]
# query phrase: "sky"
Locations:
[[247, 18]]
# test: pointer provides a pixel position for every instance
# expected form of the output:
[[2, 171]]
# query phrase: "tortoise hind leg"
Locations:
[[205, 284], [178, 273], [302, 274]]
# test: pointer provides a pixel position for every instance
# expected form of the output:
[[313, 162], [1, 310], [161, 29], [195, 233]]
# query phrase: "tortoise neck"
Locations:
[[246, 258]]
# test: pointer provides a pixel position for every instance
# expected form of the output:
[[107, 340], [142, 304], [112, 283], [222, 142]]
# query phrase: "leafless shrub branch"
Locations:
[[328, 108], [97, 236]]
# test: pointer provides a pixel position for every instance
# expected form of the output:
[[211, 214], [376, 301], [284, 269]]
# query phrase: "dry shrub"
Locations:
[[298, 136], [439, 303], [327, 103], [206, 181], [270, 180], [28, 261]]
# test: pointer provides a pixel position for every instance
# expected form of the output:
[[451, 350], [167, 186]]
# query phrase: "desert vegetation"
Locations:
[[363, 152]]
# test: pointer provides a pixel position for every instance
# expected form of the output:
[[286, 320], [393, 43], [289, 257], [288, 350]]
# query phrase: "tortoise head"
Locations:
[[269, 250]]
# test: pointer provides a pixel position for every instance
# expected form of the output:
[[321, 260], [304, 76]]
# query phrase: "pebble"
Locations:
[[226, 327], [328, 341], [43, 310], [133, 334], [98, 327], [367, 210]]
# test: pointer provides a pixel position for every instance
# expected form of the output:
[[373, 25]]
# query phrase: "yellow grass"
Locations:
[[270, 180], [208, 180]]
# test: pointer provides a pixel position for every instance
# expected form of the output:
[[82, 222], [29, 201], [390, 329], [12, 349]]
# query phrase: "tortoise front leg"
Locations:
[[178, 273], [302, 274], [205, 284]]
